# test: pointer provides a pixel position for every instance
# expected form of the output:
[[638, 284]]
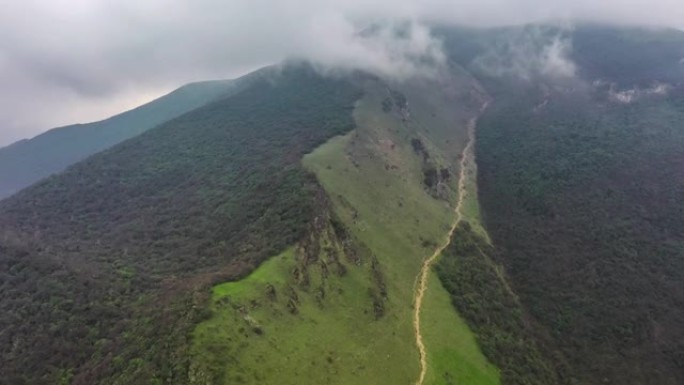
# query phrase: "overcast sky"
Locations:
[[68, 61]]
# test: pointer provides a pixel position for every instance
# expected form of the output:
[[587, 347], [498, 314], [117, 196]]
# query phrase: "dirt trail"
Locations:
[[423, 276]]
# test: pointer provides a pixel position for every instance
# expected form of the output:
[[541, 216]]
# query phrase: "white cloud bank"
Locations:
[[63, 61]]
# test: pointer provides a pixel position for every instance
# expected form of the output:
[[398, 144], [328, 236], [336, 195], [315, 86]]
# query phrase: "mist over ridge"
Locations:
[[92, 59]]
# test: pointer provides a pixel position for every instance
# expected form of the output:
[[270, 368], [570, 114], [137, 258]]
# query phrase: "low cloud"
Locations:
[[76, 60], [633, 94], [555, 59], [527, 54], [393, 49]]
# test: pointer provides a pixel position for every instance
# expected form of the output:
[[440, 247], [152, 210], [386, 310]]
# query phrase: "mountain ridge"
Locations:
[[211, 248], [27, 161]]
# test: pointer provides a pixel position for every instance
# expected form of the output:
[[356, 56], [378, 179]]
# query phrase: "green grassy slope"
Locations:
[[103, 268], [361, 331], [28, 161], [380, 193]]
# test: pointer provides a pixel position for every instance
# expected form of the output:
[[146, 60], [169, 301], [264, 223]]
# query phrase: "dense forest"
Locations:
[[629, 56], [582, 192], [480, 292], [106, 266], [28, 161], [584, 197]]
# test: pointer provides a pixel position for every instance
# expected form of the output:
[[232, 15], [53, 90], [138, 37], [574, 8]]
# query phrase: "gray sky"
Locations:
[[68, 61]]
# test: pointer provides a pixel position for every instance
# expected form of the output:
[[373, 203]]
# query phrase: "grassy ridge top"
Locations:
[[100, 264], [380, 182], [277, 327]]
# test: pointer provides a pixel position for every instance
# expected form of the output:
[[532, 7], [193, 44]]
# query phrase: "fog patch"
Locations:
[[396, 50], [531, 54], [632, 95]]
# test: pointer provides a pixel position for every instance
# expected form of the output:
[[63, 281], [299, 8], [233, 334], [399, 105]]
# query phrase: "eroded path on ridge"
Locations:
[[423, 276]]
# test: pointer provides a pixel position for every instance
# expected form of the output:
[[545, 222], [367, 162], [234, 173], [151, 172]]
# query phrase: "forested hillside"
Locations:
[[584, 196], [629, 57], [480, 292], [28, 161], [104, 268]]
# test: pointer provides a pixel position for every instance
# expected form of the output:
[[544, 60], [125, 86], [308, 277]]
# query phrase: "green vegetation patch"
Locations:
[[103, 268], [299, 318], [27, 162], [584, 200], [481, 294], [276, 326], [375, 179]]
